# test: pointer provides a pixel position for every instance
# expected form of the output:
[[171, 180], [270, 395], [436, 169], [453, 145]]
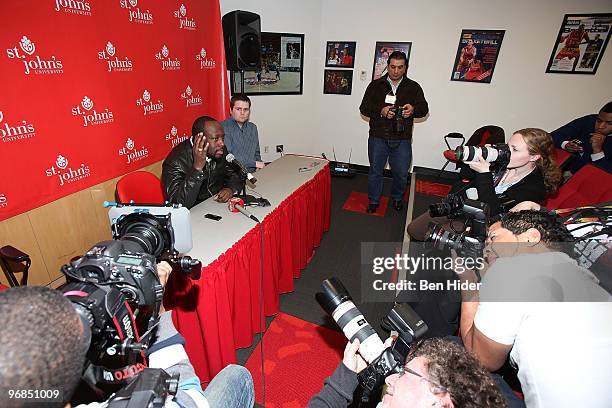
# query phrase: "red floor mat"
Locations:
[[358, 202], [436, 189], [299, 356]]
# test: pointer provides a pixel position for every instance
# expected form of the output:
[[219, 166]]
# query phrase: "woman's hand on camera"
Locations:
[[480, 166], [352, 359]]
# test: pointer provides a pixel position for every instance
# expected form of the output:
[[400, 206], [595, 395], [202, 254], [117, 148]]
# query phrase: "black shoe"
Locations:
[[398, 205], [372, 208]]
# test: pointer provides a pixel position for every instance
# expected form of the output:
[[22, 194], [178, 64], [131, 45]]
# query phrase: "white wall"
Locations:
[[289, 120], [520, 95]]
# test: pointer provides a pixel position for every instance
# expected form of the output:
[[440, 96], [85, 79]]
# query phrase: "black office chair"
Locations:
[[454, 135], [13, 260], [489, 134]]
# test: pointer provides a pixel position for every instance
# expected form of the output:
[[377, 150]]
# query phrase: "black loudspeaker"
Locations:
[[242, 36]]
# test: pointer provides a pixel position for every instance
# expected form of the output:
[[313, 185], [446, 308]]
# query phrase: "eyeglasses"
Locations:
[[405, 370]]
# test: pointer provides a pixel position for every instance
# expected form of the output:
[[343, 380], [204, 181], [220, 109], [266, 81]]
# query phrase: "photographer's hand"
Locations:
[[352, 359], [387, 112], [163, 271], [407, 110], [480, 166]]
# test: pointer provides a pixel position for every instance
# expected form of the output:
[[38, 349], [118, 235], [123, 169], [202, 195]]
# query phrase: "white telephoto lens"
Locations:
[[355, 326]]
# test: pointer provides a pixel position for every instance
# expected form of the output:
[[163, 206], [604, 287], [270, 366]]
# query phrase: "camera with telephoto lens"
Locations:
[[449, 207], [382, 362], [497, 153], [470, 242], [116, 291]]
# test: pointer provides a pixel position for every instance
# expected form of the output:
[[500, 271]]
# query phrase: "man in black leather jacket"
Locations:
[[196, 169]]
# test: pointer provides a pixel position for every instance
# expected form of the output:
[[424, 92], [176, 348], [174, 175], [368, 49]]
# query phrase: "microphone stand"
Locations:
[[247, 198], [262, 316]]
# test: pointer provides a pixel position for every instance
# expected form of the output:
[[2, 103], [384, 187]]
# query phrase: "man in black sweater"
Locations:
[[391, 103]]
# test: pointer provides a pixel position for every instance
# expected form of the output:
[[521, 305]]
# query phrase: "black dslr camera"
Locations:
[[398, 120], [382, 362], [150, 389], [116, 291], [466, 243]]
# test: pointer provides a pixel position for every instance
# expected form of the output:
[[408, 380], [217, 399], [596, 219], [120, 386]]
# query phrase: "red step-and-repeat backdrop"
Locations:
[[93, 89]]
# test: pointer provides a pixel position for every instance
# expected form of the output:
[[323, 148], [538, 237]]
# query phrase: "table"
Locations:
[[221, 311]]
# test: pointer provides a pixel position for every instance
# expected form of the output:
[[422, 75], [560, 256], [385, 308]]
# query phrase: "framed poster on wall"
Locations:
[[476, 55], [580, 44], [340, 54], [282, 61], [381, 55], [338, 81]]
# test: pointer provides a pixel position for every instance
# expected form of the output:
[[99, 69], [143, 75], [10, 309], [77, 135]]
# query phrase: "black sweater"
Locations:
[[338, 390], [530, 188], [373, 102]]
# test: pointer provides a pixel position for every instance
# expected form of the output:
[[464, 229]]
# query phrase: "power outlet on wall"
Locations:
[[279, 148]]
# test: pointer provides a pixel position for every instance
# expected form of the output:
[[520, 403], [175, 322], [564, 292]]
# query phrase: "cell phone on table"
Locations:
[[213, 217]]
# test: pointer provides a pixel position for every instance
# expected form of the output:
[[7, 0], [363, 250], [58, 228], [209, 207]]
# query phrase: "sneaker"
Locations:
[[372, 208]]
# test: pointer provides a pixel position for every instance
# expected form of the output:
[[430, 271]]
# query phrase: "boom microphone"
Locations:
[[235, 204], [231, 159]]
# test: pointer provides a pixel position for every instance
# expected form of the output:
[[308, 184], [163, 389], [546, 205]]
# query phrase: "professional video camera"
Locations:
[[496, 153], [382, 362], [116, 291], [470, 241]]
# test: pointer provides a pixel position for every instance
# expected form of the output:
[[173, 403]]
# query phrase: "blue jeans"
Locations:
[[399, 153], [231, 388]]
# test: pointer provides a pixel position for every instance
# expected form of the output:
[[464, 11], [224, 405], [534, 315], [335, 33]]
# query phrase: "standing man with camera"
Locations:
[[391, 103]]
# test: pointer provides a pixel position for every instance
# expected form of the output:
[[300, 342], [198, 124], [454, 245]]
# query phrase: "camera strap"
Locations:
[[98, 376]]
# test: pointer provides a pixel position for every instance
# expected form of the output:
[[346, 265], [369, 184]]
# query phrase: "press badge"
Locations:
[[390, 99]]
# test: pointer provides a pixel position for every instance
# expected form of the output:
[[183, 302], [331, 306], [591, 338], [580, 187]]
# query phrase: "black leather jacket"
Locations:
[[187, 186]]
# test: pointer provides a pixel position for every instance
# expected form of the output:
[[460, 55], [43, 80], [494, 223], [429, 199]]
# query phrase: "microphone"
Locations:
[[235, 204], [231, 159]]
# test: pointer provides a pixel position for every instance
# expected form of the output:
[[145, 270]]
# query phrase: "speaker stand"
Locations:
[[241, 81]]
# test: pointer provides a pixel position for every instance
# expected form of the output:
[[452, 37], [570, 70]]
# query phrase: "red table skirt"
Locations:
[[220, 312]]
